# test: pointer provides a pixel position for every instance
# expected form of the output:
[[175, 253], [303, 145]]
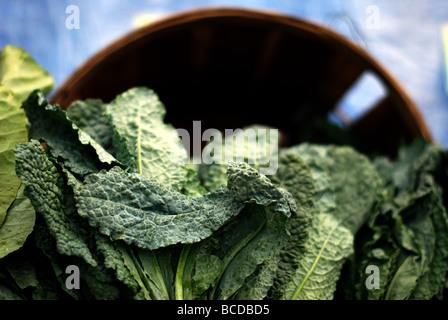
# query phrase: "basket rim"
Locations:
[[293, 22]]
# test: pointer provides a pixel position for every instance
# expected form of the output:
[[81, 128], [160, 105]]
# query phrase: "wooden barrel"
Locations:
[[231, 67]]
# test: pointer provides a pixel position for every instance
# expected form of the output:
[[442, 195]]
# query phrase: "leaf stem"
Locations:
[[138, 267], [159, 276], [392, 282], [178, 282]]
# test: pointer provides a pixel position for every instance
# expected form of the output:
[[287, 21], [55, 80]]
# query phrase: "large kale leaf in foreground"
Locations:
[[239, 244], [144, 212]]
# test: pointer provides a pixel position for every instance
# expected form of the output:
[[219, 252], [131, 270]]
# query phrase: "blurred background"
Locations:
[[406, 37]]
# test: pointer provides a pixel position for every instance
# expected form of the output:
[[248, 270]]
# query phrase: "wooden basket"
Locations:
[[231, 67]]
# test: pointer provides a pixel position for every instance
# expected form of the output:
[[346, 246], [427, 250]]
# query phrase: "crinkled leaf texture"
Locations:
[[353, 176], [47, 190], [311, 261], [257, 285], [326, 249], [89, 115], [295, 176], [143, 142], [250, 217], [144, 212]]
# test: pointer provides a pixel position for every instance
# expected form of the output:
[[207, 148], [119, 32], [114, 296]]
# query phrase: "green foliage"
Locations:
[[22, 74], [104, 186], [19, 75]]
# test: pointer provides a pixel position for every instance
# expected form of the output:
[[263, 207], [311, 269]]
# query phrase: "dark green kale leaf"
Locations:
[[144, 212], [354, 177], [89, 115], [408, 233], [75, 148]]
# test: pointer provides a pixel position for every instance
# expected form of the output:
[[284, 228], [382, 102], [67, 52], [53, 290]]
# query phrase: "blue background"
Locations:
[[408, 40]]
